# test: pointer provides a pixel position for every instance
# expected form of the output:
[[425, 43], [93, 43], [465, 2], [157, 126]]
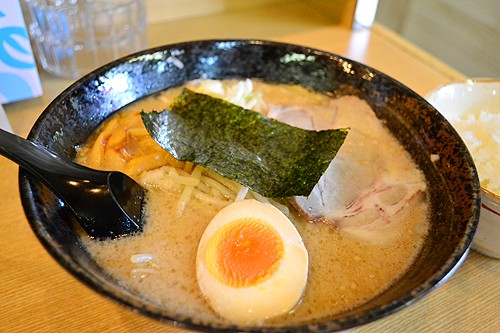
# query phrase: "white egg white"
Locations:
[[276, 295]]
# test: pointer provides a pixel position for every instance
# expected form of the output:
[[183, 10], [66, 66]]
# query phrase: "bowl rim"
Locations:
[[438, 277], [466, 81], [490, 193]]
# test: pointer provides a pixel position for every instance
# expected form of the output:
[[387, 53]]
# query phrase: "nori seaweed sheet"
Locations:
[[272, 158]]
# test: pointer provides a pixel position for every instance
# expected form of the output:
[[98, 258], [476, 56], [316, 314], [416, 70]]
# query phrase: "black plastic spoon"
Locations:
[[107, 204]]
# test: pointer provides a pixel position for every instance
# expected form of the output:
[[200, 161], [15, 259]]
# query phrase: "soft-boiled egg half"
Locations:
[[251, 263]]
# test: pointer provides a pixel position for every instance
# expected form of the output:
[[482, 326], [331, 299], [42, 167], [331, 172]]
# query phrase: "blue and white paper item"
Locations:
[[18, 73]]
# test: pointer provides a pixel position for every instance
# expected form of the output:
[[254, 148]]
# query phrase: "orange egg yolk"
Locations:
[[244, 252]]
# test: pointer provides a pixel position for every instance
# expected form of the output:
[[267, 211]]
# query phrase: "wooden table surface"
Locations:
[[37, 295]]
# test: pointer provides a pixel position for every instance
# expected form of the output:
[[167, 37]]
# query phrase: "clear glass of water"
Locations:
[[73, 37]]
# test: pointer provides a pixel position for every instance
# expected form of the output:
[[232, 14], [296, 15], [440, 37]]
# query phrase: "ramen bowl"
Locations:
[[453, 185], [473, 107]]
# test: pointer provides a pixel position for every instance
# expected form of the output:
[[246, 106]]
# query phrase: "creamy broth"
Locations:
[[344, 270]]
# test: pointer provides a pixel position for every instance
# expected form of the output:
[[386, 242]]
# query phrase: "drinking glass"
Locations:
[[73, 37]]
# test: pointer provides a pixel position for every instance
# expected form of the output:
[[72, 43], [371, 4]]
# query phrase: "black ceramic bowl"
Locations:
[[454, 189]]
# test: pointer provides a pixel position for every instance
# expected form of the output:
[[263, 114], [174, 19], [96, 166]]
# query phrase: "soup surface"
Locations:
[[354, 254]]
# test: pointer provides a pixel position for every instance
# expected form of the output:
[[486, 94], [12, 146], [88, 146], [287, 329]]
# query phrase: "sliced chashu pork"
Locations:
[[372, 178]]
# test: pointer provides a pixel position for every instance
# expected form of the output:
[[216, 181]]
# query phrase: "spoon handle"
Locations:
[[41, 162]]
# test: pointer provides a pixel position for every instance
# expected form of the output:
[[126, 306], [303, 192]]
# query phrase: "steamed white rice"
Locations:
[[481, 134]]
